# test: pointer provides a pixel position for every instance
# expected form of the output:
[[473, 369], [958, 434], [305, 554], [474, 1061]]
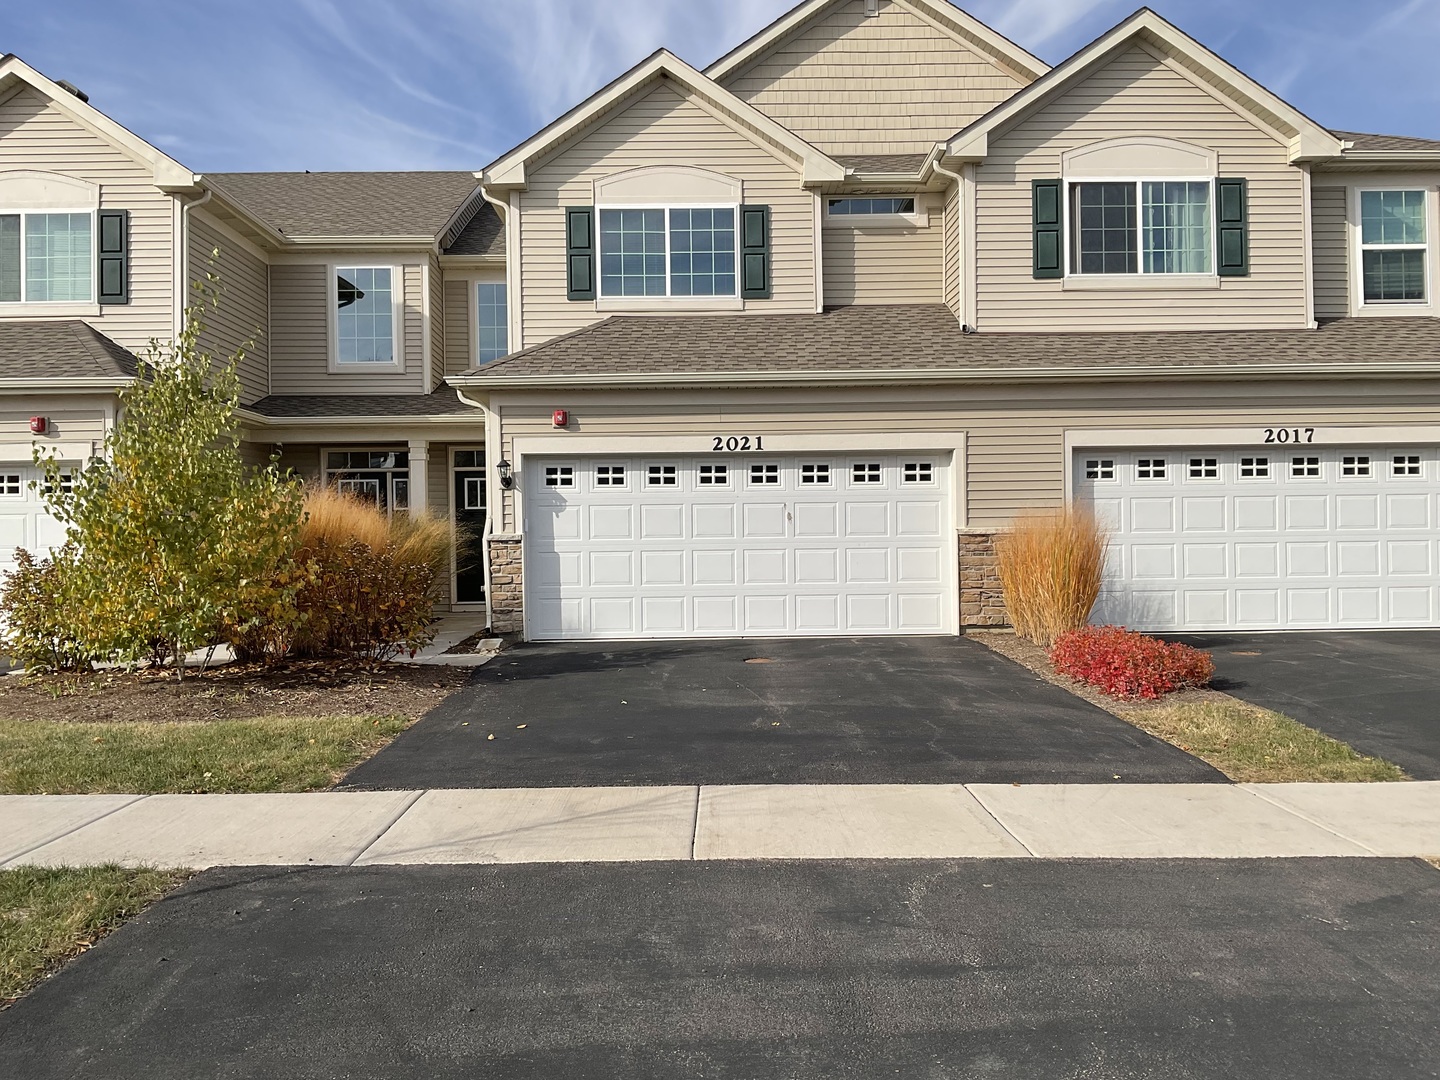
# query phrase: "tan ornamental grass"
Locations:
[[1051, 566], [333, 519]]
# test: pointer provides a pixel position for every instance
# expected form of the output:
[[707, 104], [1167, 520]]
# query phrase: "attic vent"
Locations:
[[872, 8], [71, 88]]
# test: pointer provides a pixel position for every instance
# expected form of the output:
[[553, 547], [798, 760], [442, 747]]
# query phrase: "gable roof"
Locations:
[[945, 17], [168, 173], [815, 167], [1308, 140], [483, 235], [347, 205], [62, 350]]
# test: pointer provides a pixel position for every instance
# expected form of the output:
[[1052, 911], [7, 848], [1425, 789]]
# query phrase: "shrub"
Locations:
[[39, 635], [1128, 665], [1051, 566]]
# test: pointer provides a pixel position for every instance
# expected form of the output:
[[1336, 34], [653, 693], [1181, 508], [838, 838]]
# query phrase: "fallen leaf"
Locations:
[[465, 724], [521, 727]]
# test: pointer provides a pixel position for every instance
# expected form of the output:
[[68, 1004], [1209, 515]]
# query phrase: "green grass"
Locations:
[[41, 757], [48, 916], [1254, 745]]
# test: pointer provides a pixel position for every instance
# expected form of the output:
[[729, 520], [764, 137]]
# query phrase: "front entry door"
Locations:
[[469, 479]]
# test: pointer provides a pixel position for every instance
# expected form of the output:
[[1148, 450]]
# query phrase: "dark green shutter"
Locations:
[[1048, 220], [112, 245], [755, 252], [580, 252], [1233, 223]]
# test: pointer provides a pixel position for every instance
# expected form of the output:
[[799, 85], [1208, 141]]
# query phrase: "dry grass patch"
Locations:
[[1051, 565], [1245, 742], [48, 916]]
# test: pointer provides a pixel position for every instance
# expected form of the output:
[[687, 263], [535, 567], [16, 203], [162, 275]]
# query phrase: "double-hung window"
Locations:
[[492, 324], [365, 320], [1393, 247], [1142, 227], [668, 251], [47, 257]]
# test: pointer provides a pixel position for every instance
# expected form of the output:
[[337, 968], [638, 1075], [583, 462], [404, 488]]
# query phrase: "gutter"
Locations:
[[70, 386], [266, 420]]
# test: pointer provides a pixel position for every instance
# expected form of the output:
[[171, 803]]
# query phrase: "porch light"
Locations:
[[506, 474]]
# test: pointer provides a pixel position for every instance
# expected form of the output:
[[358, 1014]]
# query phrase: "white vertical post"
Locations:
[[419, 476]]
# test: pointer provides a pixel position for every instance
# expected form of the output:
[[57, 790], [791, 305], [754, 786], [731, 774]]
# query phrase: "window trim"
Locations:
[[1358, 247], [41, 307], [473, 285], [327, 474], [1141, 279], [604, 301], [919, 218], [336, 366]]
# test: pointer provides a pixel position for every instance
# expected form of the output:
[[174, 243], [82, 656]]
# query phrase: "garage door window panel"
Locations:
[[1100, 469], [816, 475], [864, 473], [1154, 469], [1255, 468], [1306, 468], [1406, 465], [714, 476], [662, 476], [11, 486], [764, 475], [1394, 247]]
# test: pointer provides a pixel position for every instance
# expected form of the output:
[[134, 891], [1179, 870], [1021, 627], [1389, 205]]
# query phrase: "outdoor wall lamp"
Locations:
[[506, 474]]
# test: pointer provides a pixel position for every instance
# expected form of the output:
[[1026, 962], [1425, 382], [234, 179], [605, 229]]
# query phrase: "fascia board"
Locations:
[[255, 419], [65, 386]]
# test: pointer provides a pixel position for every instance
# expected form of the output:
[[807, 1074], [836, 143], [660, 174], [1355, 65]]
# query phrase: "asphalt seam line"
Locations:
[[72, 831], [1307, 818], [360, 854]]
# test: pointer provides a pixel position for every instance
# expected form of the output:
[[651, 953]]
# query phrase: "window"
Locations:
[[764, 475], [919, 473], [492, 322], [612, 476], [858, 208], [380, 477], [815, 474], [866, 473], [1204, 468], [474, 489], [662, 476], [1305, 467], [1150, 469], [675, 252], [1254, 468], [10, 485], [1393, 247], [1406, 465], [1355, 465], [1141, 227], [714, 475], [47, 257], [365, 315], [1100, 469], [559, 476]]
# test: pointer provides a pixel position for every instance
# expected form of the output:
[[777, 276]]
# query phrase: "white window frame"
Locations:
[[397, 319], [328, 475], [30, 306], [473, 284], [919, 218], [1142, 278], [1358, 248], [603, 299]]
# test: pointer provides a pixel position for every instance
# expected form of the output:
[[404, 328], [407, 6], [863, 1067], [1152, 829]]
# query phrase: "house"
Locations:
[[781, 346]]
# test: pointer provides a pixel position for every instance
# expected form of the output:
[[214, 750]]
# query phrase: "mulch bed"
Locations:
[[235, 692]]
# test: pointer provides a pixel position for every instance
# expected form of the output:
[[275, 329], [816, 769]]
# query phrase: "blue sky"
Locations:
[[440, 84]]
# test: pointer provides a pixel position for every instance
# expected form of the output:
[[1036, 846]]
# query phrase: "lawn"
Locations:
[[1250, 745], [49, 916]]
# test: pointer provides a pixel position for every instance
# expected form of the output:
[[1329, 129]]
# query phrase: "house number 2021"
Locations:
[[1290, 435], [737, 444]]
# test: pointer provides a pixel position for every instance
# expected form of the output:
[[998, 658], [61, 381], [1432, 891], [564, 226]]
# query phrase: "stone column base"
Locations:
[[982, 601], [507, 586]]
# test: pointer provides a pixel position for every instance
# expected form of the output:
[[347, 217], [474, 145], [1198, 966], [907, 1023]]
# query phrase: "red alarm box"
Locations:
[[39, 425], [561, 418]]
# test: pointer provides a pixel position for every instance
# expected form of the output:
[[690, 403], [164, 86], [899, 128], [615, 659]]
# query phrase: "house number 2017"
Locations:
[[1290, 435], [737, 443]]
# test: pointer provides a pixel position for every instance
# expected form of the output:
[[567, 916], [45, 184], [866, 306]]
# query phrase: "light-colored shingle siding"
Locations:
[[885, 266], [242, 318], [458, 354], [1137, 95], [299, 293], [437, 322], [1332, 252], [891, 84], [951, 253], [661, 128], [34, 134]]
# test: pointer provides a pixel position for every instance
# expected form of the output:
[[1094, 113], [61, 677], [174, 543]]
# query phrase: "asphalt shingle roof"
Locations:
[[443, 402], [929, 338], [61, 349], [1388, 142], [350, 203], [882, 163], [483, 235]]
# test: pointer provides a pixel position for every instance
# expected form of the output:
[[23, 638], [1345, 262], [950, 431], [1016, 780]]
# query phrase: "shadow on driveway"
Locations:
[[878, 711]]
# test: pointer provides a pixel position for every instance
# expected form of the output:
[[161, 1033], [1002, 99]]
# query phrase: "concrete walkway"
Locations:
[[713, 823]]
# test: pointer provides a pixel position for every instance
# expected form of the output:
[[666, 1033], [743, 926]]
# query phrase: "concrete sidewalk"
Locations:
[[715, 823]]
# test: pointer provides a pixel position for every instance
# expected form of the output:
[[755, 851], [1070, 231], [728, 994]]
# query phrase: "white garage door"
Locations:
[[1301, 539], [738, 547], [24, 521]]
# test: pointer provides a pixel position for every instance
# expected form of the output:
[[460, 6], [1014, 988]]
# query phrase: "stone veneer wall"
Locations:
[[507, 585], [982, 601]]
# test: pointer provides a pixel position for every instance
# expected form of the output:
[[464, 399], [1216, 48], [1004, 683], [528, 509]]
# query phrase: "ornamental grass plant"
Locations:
[[1051, 565]]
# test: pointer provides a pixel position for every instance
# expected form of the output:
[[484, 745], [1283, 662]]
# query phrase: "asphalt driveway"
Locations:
[[1005, 969], [1379, 692], [919, 710]]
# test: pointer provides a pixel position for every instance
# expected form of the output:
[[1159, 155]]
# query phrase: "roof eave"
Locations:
[[60, 385], [257, 419]]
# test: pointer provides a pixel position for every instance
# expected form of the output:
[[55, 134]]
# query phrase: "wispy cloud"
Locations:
[[1040, 23]]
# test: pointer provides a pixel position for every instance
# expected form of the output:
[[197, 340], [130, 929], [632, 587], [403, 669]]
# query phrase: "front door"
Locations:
[[469, 477]]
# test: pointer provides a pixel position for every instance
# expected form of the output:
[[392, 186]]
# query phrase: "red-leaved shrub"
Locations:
[[1128, 665]]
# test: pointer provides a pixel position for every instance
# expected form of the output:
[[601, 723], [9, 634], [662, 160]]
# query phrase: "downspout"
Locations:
[[489, 529], [959, 231], [185, 208]]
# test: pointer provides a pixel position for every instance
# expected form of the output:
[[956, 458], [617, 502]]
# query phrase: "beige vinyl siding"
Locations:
[[1136, 94], [885, 266], [951, 252], [892, 84], [1014, 436], [34, 134], [660, 128], [299, 334], [1332, 252], [303, 461], [70, 422], [437, 322], [459, 354], [242, 317]]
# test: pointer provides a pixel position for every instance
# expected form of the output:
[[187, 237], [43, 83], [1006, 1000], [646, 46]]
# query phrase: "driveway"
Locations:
[[1379, 692], [1009, 969], [887, 711]]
